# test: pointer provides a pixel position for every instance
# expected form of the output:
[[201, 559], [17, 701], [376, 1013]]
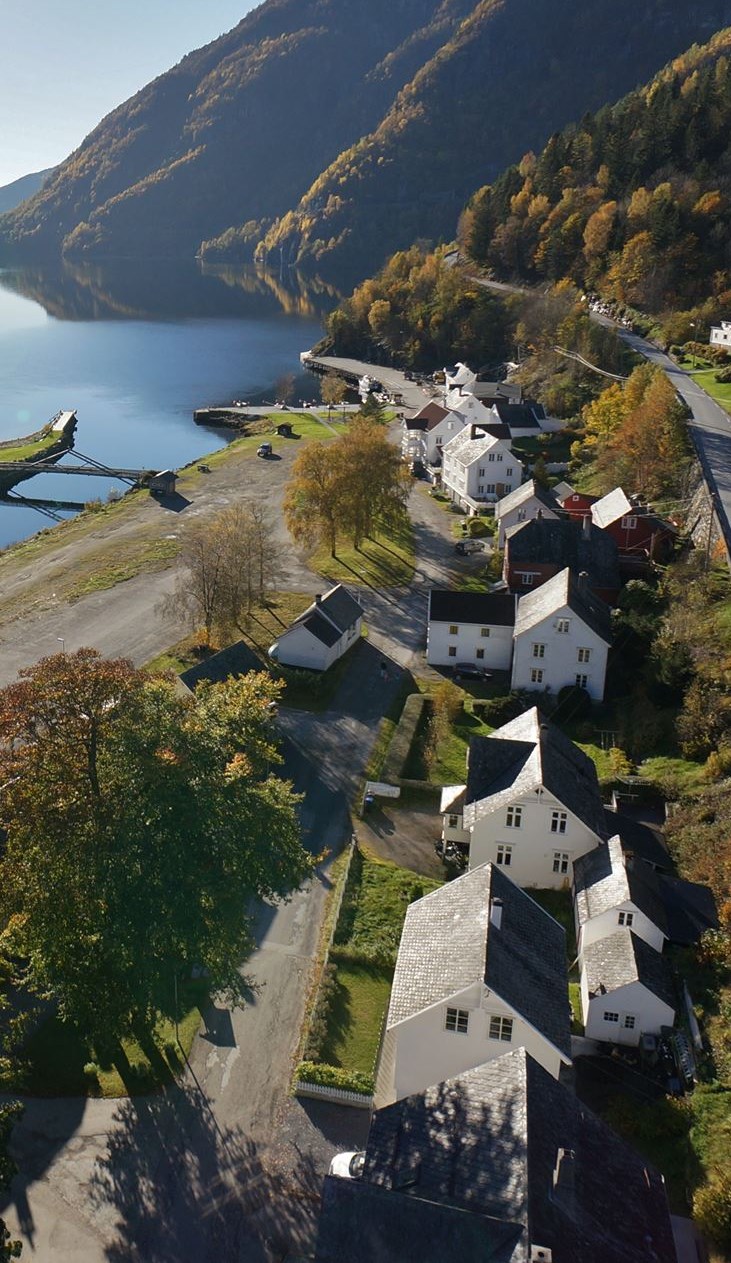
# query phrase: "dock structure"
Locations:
[[394, 381]]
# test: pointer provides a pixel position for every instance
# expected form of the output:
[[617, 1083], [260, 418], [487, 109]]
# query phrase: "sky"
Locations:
[[64, 64]]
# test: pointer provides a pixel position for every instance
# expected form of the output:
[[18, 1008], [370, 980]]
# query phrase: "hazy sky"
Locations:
[[64, 64]]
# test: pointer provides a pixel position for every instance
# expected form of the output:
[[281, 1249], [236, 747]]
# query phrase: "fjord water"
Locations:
[[134, 349]]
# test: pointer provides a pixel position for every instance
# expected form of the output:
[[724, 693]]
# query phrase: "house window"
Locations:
[[527, 579], [479, 653], [491, 488], [491, 456], [629, 523], [611, 1017], [509, 472], [439, 442], [563, 625], [626, 918], [514, 817], [481, 472], [453, 629], [536, 675], [560, 861], [558, 821], [499, 456], [457, 1020], [629, 1022], [504, 854], [484, 631], [452, 651], [581, 681], [584, 655], [453, 822], [481, 486], [539, 651], [501, 1028]]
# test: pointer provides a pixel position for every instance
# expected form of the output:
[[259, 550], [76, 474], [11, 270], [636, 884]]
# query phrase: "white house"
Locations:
[[321, 635], [479, 469], [481, 969], [562, 636], [614, 891], [531, 804], [473, 627], [721, 334], [626, 989], [427, 431], [527, 501]]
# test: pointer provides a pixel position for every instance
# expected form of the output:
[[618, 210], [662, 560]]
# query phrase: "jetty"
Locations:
[[400, 386]]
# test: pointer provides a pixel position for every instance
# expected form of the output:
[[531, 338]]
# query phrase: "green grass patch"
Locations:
[[558, 904], [659, 1131], [383, 562], [149, 558], [57, 1060], [676, 777], [577, 1025], [358, 1004], [373, 909]]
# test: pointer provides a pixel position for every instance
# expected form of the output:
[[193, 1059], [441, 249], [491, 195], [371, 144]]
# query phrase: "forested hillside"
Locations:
[[634, 201], [389, 113], [237, 130], [513, 73]]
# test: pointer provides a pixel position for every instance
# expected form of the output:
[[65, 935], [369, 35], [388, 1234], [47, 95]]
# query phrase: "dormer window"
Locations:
[[501, 1028], [626, 918]]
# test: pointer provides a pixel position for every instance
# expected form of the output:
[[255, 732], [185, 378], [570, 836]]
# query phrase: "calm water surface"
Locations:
[[134, 349]]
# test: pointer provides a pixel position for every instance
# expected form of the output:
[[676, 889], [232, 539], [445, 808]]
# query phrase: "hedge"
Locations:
[[402, 740], [335, 1077]]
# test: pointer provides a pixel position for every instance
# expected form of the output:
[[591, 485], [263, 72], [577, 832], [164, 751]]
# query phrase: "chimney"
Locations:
[[473, 431], [563, 1176], [496, 913], [586, 526], [318, 599], [583, 582], [539, 515]]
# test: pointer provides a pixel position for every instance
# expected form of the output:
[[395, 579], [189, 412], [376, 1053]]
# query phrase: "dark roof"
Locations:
[[321, 628], [522, 416], [449, 943], [362, 1223], [638, 838], [623, 958], [484, 608], [690, 909], [526, 754], [563, 542], [341, 608], [564, 589], [428, 417], [497, 429], [604, 880], [488, 1143], [237, 659]]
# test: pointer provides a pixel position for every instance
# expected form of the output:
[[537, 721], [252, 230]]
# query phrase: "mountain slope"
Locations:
[[11, 195], [634, 201], [236, 130], [511, 75]]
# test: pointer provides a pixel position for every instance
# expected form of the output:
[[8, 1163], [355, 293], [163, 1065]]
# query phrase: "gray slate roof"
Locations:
[[331, 615], [467, 450], [562, 542], [638, 838], [521, 416], [236, 660], [689, 907], [528, 491], [603, 880], [486, 1143], [564, 589], [624, 958], [321, 628], [496, 609], [449, 944], [527, 754]]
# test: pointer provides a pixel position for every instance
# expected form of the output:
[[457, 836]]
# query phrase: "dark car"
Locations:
[[465, 546], [469, 671]]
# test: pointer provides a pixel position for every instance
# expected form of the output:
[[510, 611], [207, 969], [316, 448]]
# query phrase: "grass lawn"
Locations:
[[356, 1015], [450, 765], [558, 904], [56, 1053], [383, 562], [153, 556], [22, 450], [376, 898], [679, 775], [706, 377]]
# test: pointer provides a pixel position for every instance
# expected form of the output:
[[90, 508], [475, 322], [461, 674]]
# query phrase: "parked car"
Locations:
[[349, 1166], [469, 671], [264, 449], [465, 546]]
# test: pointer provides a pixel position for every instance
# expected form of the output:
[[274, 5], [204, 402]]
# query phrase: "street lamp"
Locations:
[[692, 354]]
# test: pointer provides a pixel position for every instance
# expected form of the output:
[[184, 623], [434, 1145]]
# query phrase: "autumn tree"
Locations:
[[141, 828], [315, 497], [230, 563], [332, 391]]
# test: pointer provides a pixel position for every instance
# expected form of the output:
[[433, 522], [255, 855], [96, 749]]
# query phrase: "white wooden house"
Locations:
[[562, 636], [531, 803], [472, 627], [481, 969], [479, 469], [425, 434], [613, 891], [322, 634], [527, 501], [626, 989]]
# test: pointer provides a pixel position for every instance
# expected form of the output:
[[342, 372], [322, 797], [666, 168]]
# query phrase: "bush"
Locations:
[[317, 1029], [497, 711], [335, 1077], [574, 704], [401, 742], [477, 528], [723, 376], [712, 1209]]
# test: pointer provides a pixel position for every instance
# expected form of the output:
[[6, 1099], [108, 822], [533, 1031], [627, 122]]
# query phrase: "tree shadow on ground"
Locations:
[[184, 1189]]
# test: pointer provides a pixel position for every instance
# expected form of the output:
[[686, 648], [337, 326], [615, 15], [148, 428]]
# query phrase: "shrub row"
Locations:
[[335, 1077], [401, 742]]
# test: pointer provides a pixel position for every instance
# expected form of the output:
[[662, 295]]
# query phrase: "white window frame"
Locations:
[[454, 629], [452, 822], [559, 821], [563, 626], [611, 1017], [504, 855], [457, 1021], [536, 675], [526, 578], [500, 1028], [583, 655], [626, 918], [539, 651], [581, 680], [484, 631], [561, 861], [514, 818], [629, 523], [629, 1022]]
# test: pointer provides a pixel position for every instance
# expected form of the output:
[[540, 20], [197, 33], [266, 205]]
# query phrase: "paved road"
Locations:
[[224, 1167]]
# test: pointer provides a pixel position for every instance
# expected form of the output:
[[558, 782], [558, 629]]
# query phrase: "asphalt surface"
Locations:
[[225, 1166]]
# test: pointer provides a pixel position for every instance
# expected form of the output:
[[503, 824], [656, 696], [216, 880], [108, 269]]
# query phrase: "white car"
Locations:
[[349, 1166]]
